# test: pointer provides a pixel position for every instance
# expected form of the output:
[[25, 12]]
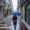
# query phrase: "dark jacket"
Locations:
[[14, 17]]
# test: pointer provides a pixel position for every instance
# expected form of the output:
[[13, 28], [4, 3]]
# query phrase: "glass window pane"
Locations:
[[27, 14]]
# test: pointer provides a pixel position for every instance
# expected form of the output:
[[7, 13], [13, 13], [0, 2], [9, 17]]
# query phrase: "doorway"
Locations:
[[0, 11]]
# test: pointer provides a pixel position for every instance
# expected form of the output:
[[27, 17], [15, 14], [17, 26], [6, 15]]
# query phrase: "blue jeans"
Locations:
[[14, 26]]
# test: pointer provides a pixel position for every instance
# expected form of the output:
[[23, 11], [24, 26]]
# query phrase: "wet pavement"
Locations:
[[7, 22]]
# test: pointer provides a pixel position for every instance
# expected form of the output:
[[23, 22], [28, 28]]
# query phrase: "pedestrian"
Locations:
[[5, 15], [14, 21]]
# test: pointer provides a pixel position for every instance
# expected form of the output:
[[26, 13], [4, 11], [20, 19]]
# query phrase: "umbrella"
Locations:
[[16, 13]]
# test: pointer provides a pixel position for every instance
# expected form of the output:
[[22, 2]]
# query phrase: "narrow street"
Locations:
[[9, 22], [14, 14]]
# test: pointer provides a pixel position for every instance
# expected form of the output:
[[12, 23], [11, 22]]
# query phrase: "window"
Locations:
[[8, 5], [0, 11], [27, 14]]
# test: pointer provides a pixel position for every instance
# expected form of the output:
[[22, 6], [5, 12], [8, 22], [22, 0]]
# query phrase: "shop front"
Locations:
[[27, 13]]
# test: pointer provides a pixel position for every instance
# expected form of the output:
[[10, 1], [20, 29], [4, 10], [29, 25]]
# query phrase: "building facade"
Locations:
[[5, 10], [9, 6], [18, 6], [25, 8], [2, 6]]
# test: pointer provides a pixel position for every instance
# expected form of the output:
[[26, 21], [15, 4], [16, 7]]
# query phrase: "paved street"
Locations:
[[9, 22]]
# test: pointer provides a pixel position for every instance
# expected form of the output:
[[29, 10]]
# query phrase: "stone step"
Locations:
[[3, 29], [3, 25], [2, 22]]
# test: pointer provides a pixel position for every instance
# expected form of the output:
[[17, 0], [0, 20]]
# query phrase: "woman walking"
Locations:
[[14, 21]]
